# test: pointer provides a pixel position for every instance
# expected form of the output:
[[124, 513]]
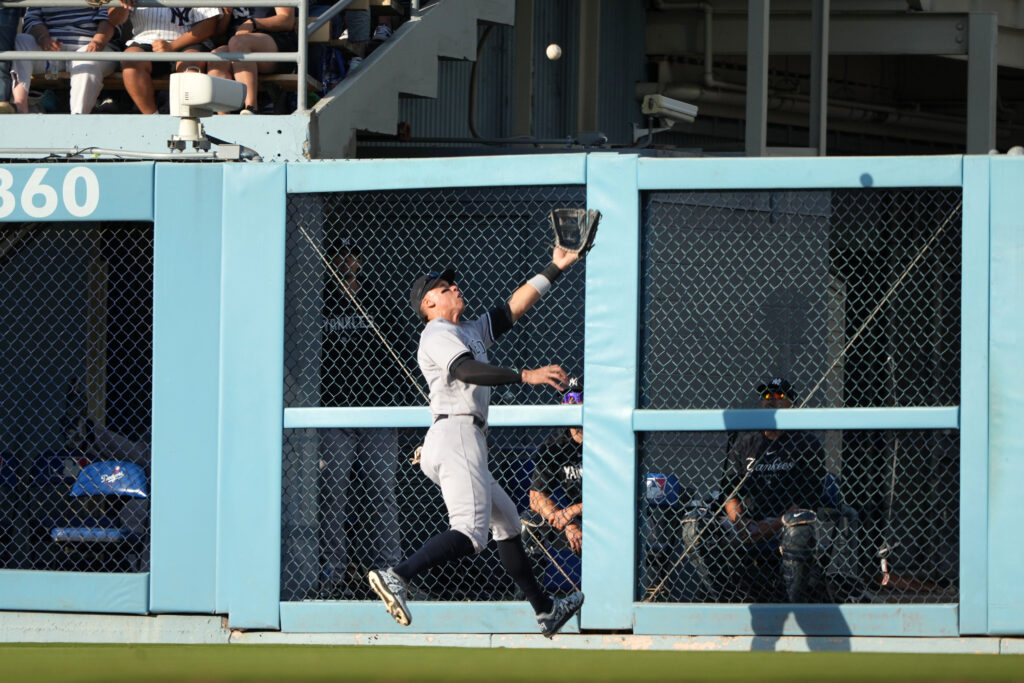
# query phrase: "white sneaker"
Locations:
[[391, 589], [562, 610], [382, 32]]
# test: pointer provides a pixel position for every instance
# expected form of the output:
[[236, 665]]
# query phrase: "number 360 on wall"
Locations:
[[78, 194]]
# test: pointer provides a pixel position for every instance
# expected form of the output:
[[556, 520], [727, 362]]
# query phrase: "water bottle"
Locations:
[[52, 69]]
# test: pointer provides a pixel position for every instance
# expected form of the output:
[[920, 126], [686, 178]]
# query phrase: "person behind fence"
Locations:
[[351, 356], [560, 466], [453, 358], [773, 481], [255, 29], [63, 29], [163, 29]]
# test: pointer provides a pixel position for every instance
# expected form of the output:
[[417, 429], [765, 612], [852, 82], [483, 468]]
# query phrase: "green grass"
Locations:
[[47, 663]]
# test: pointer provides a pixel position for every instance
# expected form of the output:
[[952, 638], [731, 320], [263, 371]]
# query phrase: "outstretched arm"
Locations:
[[528, 294], [467, 369]]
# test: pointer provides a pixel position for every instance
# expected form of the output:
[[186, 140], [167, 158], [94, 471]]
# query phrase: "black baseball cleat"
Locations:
[[562, 611], [391, 589]]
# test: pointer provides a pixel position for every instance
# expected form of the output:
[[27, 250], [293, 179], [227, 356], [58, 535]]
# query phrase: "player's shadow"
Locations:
[[824, 626]]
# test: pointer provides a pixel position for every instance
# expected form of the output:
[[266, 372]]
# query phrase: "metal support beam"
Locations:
[[522, 96], [820, 10], [587, 82], [679, 32], [982, 67], [756, 139]]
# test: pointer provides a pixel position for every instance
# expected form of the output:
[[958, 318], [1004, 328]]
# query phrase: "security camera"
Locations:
[[669, 109], [194, 94]]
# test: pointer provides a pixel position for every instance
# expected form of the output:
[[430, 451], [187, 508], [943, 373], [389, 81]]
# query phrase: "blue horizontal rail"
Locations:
[[797, 174], [499, 416], [804, 418]]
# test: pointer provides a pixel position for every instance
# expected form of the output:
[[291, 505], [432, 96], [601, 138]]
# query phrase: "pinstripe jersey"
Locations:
[[73, 26], [150, 24]]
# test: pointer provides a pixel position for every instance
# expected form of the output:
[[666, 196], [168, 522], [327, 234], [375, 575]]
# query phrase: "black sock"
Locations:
[[515, 562], [445, 547]]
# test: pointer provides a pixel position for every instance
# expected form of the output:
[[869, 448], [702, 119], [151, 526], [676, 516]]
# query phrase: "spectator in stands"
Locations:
[[163, 29], [9, 18], [62, 29], [560, 466], [257, 29]]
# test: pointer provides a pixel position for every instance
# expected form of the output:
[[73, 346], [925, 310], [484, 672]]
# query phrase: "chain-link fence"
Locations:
[[885, 527], [826, 298], [76, 387], [353, 501], [350, 340], [853, 295]]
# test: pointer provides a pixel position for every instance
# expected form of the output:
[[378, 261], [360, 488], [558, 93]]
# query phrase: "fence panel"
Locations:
[[77, 386], [781, 299], [350, 341]]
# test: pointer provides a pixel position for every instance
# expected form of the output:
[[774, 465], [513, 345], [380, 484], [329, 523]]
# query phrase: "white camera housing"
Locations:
[[194, 94], [667, 108]]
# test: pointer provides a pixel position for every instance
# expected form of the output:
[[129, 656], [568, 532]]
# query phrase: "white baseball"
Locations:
[[554, 51]]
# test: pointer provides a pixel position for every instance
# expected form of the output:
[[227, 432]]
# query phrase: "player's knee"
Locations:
[[476, 535]]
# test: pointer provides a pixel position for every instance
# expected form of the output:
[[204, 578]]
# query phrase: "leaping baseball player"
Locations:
[[452, 355]]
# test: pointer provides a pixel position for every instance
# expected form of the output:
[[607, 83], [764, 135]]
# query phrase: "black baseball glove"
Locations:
[[575, 229]]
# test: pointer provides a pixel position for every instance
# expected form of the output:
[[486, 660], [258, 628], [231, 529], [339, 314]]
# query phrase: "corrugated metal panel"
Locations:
[[555, 82], [622, 64], [448, 115]]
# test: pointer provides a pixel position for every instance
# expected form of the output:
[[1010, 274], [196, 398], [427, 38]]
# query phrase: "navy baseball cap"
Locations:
[[777, 385], [425, 283]]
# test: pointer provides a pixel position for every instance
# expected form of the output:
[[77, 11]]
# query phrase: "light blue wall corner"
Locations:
[[1006, 396], [252, 404], [610, 366], [186, 358]]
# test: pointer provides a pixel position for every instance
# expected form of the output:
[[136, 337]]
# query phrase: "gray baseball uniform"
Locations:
[[455, 450]]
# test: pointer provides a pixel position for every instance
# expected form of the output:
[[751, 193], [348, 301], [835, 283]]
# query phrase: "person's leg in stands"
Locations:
[[9, 18], [22, 70], [138, 81], [248, 72], [86, 83]]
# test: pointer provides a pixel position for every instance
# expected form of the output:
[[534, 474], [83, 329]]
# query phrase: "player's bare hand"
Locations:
[[574, 535], [563, 259], [552, 375], [160, 45]]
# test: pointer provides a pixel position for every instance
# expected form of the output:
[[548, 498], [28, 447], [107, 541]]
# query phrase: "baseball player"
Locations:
[[453, 358]]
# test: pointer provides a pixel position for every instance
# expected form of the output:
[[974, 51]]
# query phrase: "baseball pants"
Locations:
[[455, 458]]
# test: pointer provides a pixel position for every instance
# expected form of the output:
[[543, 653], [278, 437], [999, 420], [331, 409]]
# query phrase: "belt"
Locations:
[[476, 420]]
